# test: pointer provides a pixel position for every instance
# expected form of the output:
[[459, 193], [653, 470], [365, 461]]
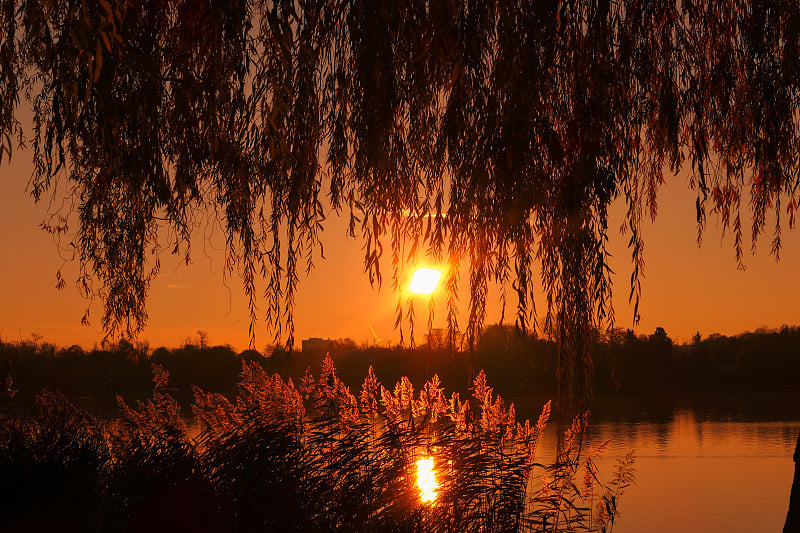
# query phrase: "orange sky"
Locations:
[[686, 288]]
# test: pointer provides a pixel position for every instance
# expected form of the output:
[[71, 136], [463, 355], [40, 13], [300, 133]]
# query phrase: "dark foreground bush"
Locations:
[[313, 458]]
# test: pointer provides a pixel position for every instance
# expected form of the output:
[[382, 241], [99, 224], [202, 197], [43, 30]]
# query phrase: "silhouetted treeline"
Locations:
[[120, 369], [124, 368], [764, 359], [623, 363], [628, 363]]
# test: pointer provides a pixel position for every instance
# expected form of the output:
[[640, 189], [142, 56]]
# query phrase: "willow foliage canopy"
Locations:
[[492, 134]]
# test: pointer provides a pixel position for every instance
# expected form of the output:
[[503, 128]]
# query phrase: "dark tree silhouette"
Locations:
[[494, 134]]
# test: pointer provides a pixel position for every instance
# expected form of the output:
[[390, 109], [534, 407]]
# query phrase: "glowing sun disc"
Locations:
[[424, 280]]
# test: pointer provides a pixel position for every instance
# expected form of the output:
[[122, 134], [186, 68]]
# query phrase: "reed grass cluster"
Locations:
[[311, 457]]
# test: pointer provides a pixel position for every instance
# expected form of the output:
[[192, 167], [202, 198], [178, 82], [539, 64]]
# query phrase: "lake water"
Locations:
[[704, 464], [710, 465]]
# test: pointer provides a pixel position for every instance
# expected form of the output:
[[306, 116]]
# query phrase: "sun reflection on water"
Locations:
[[426, 480]]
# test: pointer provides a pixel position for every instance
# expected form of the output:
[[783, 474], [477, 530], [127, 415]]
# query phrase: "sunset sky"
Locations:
[[686, 288]]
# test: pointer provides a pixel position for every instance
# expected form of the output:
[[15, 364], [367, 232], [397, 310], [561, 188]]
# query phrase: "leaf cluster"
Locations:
[[490, 134]]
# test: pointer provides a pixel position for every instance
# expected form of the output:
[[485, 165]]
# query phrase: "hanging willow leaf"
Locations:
[[497, 133]]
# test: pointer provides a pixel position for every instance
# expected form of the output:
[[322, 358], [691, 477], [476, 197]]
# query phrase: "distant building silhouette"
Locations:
[[316, 345], [438, 339]]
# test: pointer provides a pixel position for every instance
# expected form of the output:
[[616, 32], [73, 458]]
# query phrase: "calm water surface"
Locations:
[[710, 464], [710, 468]]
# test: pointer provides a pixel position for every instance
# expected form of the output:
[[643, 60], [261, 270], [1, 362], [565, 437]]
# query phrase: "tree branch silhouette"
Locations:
[[515, 124]]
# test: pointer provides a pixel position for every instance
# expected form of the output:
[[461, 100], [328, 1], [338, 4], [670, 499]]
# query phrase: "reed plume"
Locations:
[[316, 457]]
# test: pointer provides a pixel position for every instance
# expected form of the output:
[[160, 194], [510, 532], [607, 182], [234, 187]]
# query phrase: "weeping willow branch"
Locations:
[[493, 133]]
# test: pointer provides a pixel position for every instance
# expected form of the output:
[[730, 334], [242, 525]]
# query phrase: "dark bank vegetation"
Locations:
[[309, 458], [625, 363]]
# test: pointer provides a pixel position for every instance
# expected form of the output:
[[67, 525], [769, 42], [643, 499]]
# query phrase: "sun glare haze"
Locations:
[[424, 280]]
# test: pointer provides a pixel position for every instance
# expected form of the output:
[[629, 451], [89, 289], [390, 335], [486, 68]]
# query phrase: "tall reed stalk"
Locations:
[[314, 457]]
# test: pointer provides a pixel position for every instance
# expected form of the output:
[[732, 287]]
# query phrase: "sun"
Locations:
[[424, 281]]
